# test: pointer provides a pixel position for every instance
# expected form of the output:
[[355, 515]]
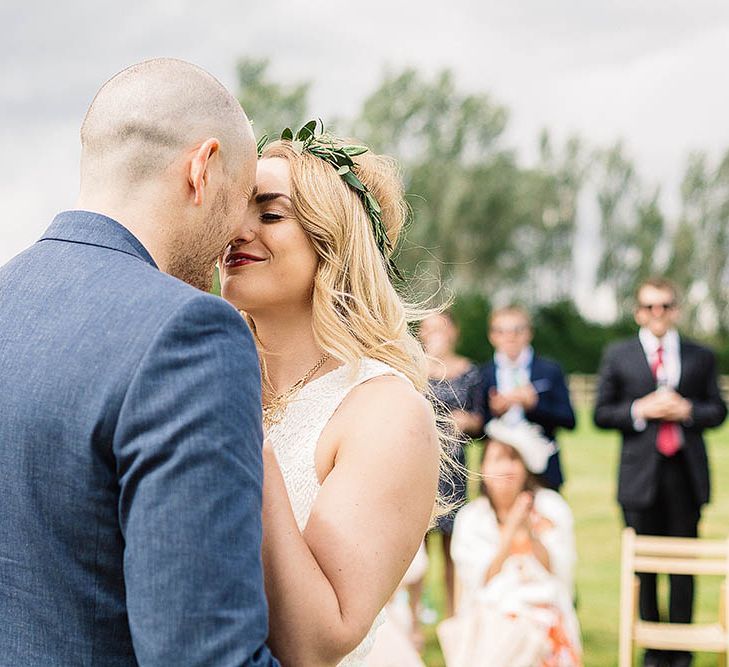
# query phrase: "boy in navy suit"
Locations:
[[521, 385]]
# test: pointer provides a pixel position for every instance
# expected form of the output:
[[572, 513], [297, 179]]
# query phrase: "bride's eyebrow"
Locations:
[[264, 197]]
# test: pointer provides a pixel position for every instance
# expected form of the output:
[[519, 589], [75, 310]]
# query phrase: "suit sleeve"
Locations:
[[554, 408], [709, 409], [612, 409], [188, 451]]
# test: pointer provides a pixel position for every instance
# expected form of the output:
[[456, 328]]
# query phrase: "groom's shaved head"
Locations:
[[146, 115]]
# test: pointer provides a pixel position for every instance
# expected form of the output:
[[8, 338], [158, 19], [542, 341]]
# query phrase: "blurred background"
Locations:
[[554, 154]]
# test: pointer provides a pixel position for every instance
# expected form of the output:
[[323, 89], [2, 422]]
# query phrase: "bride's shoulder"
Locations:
[[384, 390], [386, 407]]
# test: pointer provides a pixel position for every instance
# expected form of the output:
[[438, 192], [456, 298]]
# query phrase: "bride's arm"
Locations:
[[325, 587]]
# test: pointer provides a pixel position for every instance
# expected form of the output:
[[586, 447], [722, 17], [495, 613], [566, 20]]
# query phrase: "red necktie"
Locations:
[[668, 440]]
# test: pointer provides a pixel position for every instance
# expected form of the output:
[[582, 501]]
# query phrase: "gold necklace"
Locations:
[[273, 411]]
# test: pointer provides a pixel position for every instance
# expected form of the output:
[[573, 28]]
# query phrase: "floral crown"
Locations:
[[323, 146]]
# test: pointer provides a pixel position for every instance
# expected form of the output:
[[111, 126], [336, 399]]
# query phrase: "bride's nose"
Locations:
[[244, 234]]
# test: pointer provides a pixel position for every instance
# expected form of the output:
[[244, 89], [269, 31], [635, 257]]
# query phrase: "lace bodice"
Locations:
[[294, 439]]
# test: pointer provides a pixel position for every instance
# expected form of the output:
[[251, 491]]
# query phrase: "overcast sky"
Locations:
[[652, 72]]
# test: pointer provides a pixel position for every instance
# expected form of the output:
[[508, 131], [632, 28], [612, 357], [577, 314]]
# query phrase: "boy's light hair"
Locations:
[[510, 310]]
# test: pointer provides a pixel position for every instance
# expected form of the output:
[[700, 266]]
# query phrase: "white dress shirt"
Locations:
[[669, 374], [512, 374]]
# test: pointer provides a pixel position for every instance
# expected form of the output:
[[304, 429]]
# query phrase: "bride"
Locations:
[[352, 452]]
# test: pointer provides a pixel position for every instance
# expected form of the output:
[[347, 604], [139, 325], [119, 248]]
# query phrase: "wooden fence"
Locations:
[[584, 387]]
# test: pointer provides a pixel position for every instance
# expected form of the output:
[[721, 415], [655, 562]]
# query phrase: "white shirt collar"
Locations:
[[671, 341], [524, 360], [670, 374]]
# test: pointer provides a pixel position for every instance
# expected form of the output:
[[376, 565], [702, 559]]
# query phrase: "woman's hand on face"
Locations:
[[518, 516]]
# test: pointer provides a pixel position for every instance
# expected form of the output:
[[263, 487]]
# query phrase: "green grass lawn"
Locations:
[[589, 457]]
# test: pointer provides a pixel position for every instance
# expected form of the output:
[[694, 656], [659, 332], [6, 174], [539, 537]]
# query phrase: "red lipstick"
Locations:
[[241, 259]]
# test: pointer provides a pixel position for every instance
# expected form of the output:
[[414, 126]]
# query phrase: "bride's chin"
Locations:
[[246, 306], [235, 297], [237, 303]]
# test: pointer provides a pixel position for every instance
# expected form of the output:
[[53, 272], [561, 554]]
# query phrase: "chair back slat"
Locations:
[[679, 565], [648, 545], [670, 555]]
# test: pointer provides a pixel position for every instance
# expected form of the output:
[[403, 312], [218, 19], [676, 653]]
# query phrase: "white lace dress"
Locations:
[[294, 439]]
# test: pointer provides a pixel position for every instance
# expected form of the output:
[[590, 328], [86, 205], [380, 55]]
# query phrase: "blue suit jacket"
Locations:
[[130, 461], [552, 410]]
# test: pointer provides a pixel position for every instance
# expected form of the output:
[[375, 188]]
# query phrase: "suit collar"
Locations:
[[98, 230], [640, 361]]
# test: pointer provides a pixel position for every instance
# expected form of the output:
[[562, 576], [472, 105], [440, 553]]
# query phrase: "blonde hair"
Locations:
[[357, 312], [511, 310]]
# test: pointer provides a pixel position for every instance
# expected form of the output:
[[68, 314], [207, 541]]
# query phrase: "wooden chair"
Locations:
[[671, 555]]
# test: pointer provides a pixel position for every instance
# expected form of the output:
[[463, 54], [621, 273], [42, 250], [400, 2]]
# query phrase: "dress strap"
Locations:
[[343, 381]]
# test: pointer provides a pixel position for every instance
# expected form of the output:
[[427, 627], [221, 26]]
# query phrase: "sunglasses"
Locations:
[[660, 307], [509, 330]]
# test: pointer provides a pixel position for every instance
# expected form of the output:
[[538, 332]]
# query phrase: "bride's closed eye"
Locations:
[[271, 216]]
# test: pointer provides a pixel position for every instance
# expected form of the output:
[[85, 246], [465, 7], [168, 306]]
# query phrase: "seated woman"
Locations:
[[514, 552]]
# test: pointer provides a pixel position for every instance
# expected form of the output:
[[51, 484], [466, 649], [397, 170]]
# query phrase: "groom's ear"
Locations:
[[199, 174]]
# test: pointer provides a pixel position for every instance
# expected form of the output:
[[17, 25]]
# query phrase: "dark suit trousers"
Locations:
[[674, 513]]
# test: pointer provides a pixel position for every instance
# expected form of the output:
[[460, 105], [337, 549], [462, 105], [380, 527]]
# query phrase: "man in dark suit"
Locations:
[[521, 385], [660, 391], [130, 430]]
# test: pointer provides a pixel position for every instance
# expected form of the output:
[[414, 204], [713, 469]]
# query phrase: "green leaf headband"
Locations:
[[321, 145]]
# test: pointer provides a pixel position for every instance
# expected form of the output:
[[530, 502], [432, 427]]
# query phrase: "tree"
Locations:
[[466, 191], [700, 246], [632, 226], [684, 263], [567, 171], [716, 229], [270, 106], [485, 224]]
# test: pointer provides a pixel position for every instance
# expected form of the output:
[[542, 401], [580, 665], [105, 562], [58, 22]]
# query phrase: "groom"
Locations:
[[130, 433]]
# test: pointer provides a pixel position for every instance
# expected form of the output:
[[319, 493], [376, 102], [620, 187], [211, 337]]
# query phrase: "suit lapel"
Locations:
[[685, 355], [490, 375], [538, 376], [637, 359]]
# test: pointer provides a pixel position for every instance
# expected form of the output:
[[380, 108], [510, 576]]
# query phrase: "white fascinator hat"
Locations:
[[525, 438]]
